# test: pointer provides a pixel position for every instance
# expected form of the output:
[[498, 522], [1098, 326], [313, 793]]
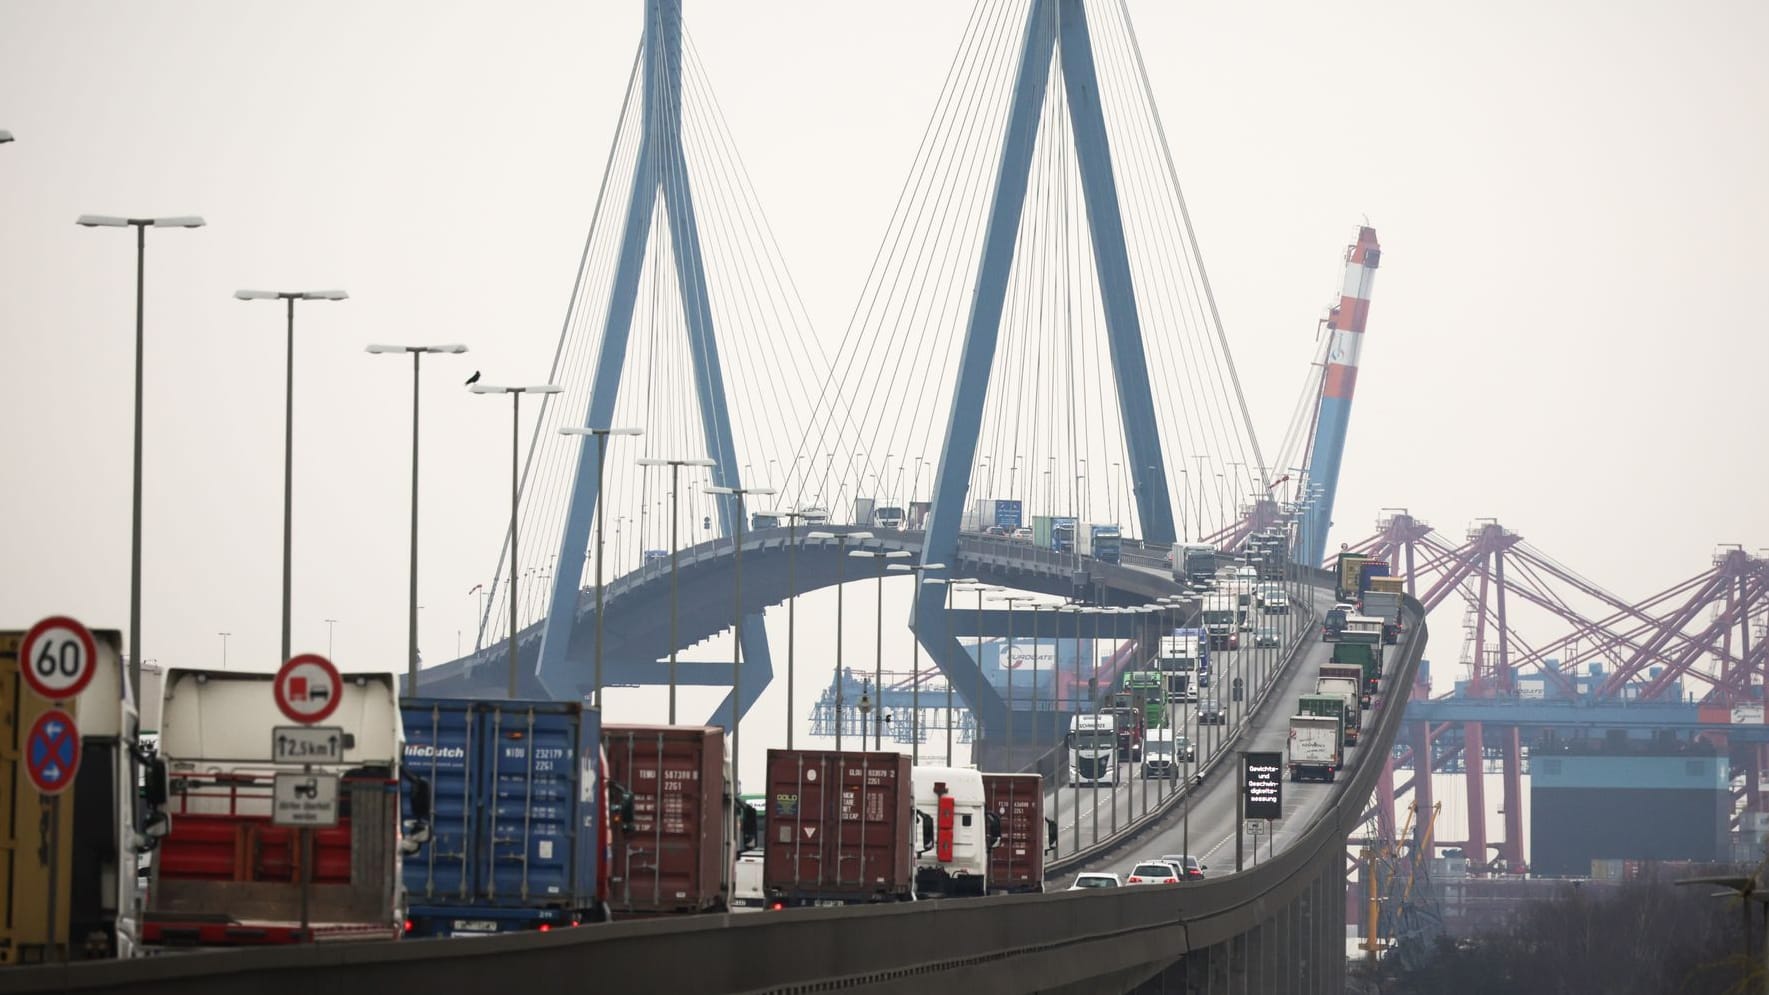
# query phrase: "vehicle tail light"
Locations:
[[408, 925], [546, 927], [777, 906]]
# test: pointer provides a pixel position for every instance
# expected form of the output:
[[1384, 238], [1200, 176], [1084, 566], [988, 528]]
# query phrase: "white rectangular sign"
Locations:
[[305, 800], [307, 745]]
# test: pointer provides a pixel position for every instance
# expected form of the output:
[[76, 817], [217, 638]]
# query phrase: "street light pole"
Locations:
[[289, 296], [417, 354], [224, 636], [675, 466], [737, 630], [601, 435], [917, 570], [141, 225], [841, 555], [878, 666], [515, 492], [1012, 601]]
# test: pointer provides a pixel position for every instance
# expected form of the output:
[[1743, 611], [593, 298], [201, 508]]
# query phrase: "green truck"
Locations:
[[1366, 655], [1150, 688]]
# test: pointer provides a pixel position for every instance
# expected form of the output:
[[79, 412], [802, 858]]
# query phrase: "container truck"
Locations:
[[1351, 672], [1314, 750], [888, 516], [841, 829], [521, 830], [863, 508], [1054, 532], [959, 832], [1016, 866], [1368, 658], [225, 875], [1093, 750], [1384, 605], [678, 852], [1150, 688], [1221, 617], [1368, 572], [1347, 569], [1351, 692], [1104, 543], [1193, 562], [989, 512], [1362, 628], [1131, 723]]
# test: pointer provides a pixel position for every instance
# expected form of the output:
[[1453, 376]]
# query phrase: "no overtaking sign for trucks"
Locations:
[[308, 688]]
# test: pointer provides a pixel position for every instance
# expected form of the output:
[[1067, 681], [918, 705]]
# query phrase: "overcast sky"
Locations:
[[1566, 331]]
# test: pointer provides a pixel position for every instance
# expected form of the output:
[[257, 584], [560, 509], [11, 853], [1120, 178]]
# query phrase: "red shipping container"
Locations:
[[1017, 862], [678, 855], [840, 828]]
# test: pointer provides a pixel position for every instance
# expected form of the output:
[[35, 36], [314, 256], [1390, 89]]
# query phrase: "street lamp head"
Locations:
[[380, 349], [288, 295], [108, 221], [859, 536], [5, 136], [819, 535]]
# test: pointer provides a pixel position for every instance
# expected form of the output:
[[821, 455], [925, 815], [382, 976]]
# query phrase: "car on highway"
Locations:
[[1210, 713], [1194, 871], [1157, 761], [1153, 872], [1021, 534], [1092, 880], [1267, 635], [996, 530]]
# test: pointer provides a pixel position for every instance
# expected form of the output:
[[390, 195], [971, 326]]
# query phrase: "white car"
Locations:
[[1153, 872], [1086, 881]]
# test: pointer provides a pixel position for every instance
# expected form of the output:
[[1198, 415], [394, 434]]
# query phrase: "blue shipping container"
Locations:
[[516, 830]]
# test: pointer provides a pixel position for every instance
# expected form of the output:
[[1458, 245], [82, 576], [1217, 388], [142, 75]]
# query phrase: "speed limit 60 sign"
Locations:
[[57, 658]]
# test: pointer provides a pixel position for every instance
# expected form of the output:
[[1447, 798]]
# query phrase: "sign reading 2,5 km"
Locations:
[[57, 658], [308, 688]]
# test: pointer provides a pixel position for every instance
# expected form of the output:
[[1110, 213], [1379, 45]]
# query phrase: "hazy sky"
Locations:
[[1566, 330]]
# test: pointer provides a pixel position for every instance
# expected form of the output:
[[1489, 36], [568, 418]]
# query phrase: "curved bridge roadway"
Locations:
[[636, 627]]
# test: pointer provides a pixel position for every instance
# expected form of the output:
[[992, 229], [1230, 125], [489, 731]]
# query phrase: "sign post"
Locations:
[[56, 659], [307, 690], [1262, 794]]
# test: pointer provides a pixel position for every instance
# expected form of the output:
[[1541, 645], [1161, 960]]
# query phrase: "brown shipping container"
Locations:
[[677, 856], [1017, 864], [839, 828]]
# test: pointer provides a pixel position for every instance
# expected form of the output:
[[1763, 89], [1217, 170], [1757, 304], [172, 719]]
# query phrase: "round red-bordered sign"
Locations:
[[58, 658], [52, 752], [308, 688]]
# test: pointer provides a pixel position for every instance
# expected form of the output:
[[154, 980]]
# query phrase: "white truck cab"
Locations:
[[957, 832]]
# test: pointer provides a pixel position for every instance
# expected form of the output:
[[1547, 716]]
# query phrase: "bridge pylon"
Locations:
[[1056, 36], [661, 178]]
